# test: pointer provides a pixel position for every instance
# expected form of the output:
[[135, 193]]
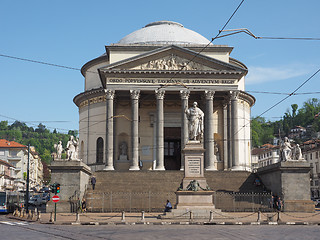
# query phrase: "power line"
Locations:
[[248, 32], [39, 62]]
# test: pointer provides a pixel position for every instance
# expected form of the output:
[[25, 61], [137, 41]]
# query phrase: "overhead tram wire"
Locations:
[[248, 32], [78, 69], [191, 60], [282, 100]]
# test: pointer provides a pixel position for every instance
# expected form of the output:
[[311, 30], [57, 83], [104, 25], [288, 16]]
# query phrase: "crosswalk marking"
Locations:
[[14, 223]]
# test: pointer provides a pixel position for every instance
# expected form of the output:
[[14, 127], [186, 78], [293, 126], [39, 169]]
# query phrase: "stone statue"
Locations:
[[298, 153], [286, 149], [58, 147], [195, 122], [194, 185], [216, 151], [72, 148], [123, 149]]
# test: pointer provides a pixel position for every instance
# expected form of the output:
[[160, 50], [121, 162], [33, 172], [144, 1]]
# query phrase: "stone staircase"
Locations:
[[149, 190]]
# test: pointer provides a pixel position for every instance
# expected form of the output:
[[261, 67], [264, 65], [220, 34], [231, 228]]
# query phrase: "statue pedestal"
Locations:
[[291, 181], [195, 195], [73, 177]]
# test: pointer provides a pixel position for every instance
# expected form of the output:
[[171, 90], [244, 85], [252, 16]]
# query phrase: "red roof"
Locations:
[[10, 144]]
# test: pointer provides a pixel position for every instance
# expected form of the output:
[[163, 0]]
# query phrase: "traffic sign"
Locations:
[[55, 198]]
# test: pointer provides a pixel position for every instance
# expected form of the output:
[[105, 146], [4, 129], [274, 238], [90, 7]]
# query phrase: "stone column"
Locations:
[[184, 94], [225, 135], [234, 130], [160, 130], [210, 158], [135, 94], [109, 130], [229, 137]]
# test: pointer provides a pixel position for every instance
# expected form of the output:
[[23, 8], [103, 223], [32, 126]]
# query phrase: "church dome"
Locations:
[[164, 33]]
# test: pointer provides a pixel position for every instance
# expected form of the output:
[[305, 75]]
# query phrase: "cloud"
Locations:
[[259, 75]]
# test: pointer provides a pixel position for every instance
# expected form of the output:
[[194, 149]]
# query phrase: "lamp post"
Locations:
[[27, 182]]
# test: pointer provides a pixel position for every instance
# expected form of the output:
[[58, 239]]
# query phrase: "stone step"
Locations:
[[150, 189]]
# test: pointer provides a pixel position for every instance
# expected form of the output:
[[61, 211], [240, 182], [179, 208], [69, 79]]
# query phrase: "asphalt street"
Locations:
[[14, 229]]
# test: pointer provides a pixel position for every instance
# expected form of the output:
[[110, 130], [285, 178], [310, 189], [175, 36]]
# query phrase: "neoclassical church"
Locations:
[[132, 112]]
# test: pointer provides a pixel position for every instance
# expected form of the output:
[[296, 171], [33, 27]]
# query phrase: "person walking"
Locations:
[[93, 182]]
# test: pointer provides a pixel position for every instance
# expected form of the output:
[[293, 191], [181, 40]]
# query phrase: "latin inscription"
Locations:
[[194, 166], [169, 81]]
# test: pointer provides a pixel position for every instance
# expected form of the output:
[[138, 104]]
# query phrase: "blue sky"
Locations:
[[71, 33]]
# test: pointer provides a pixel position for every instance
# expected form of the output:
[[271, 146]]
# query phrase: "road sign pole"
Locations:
[[55, 211]]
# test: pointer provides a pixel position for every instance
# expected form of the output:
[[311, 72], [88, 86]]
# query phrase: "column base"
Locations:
[[159, 168], [238, 168], [108, 168], [182, 168], [211, 169], [134, 168]]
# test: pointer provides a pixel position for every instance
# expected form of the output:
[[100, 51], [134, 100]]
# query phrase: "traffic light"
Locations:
[[53, 188], [58, 188]]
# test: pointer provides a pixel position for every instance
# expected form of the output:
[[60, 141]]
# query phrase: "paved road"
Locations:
[[13, 229]]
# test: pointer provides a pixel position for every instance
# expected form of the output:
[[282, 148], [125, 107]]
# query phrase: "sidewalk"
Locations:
[[224, 218]]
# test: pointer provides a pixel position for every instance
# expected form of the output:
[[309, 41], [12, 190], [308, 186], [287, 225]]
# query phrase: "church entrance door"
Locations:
[[172, 148]]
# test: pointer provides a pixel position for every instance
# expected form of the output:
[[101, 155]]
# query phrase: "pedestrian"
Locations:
[[93, 182], [279, 204], [84, 205], [168, 207]]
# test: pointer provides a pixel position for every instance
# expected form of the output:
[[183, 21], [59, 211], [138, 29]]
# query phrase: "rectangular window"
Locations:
[[310, 156], [317, 155], [1, 153]]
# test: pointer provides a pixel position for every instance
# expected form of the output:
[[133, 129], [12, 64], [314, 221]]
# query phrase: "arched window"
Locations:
[[99, 150]]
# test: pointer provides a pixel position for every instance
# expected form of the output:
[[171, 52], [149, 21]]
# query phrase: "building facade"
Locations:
[[16, 155], [265, 155], [311, 153], [132, 111], [7, 176]]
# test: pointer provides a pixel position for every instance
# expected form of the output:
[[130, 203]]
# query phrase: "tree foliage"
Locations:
[[41, 138], [262, 132]]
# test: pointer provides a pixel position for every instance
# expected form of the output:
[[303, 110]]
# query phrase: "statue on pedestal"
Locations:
[[286, 150], [289, 152], [195, 125], [59, 149], [72, 149], [123, 151]]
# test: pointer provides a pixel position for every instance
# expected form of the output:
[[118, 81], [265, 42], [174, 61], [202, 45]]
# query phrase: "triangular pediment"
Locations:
[[173, 58]]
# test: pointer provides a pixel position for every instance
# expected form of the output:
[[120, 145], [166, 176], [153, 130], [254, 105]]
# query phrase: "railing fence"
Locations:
[[155, 201]]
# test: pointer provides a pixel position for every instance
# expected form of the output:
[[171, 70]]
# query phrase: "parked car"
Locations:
[[37, 200], [316, 201]]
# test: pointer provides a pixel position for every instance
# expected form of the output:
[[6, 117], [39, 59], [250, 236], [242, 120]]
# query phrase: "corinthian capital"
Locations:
[[184, 94], [135, 94], [160, 94], [209, 94], [109, 94], [234, 94]]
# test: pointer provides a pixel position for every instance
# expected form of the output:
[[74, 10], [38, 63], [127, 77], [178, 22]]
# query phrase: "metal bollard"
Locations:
[[191, 215], [35, 213], [211, 216], [278, 217], [142, 216], [39, 216], [259, 216], [123, 217], [77, 217], [51, 217]]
